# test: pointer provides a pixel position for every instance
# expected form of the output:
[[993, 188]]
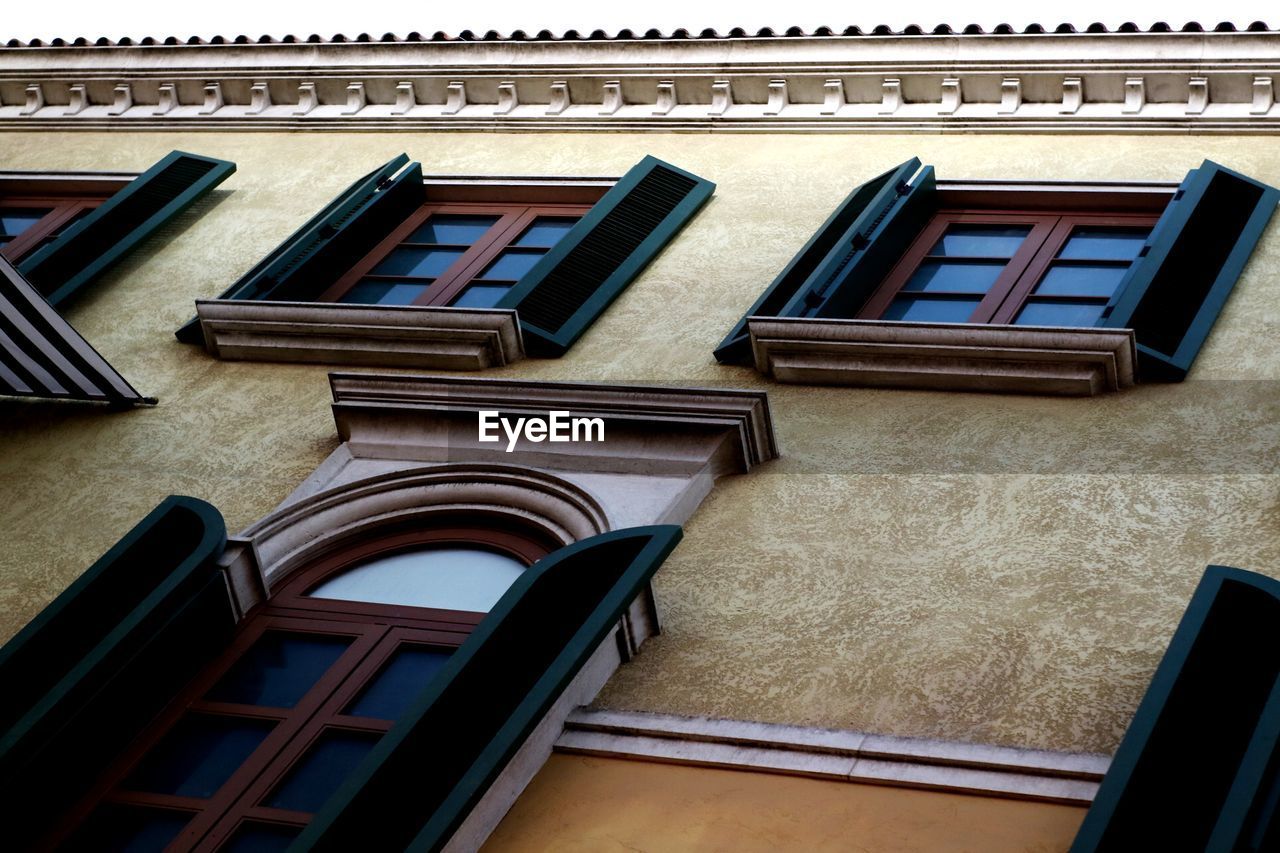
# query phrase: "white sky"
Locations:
[[92, 18]]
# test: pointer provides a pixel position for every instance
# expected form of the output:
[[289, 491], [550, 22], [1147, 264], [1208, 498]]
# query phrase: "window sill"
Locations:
[[383, 335], [944, 356]]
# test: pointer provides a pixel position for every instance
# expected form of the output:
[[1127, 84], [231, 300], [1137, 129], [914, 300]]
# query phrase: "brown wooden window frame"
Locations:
[[1013, 289], [61, 209], [513, 220], [376, 632]]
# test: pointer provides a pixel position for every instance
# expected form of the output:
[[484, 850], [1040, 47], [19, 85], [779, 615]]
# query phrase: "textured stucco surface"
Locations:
[[578, 804], [975, 567]]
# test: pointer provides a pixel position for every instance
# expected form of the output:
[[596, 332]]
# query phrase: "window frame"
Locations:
[[376, 632], [63, 208]]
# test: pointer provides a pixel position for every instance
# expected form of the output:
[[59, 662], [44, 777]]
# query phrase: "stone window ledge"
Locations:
[[944, 356], [435, 338]]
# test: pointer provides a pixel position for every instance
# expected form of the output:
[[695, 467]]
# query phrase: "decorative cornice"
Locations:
[[944, 356], [335, 333], [1131, 81], [836, 755]]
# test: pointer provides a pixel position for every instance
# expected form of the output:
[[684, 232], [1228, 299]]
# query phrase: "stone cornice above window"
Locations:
[[648, 429], [384, 335], [1220, 81], [944, 356]]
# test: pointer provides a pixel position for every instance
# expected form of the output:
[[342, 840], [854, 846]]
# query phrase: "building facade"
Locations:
[[945, 356]]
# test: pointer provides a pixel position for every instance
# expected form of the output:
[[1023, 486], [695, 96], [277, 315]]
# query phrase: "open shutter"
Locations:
[[331, 241], [867, 204], [1199, 768], [41, 355], [88, 247], [90, 671], [574, 283], [475, 715], [1173, 293]]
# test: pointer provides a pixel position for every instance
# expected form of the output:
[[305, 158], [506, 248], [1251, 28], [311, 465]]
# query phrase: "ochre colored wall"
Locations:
[[962, 566], [595, 805]]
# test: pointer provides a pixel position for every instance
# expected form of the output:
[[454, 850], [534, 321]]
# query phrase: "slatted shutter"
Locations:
[[576, 281], [88, 247], [1186, 270], [844, 261], [41, 355], [81, 680], [1199, 768], [490, 696], [331, 241]]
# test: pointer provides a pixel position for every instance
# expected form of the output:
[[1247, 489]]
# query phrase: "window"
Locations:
[[31, 220], [556, 252], [1079, 287], [312, 680]]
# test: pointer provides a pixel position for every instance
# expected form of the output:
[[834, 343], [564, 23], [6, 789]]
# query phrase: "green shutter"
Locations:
[[1199, 767], [348, 228], [1173, 293], [87, 248], [574, 283], [854, 220], [426, 774], [82, 679]]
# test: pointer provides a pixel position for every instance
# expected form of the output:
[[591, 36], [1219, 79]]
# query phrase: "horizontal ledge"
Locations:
[[836, 755]]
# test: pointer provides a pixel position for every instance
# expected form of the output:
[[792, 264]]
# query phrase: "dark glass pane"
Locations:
[[325, 766], [417, 262], [1060, 314], [278, 669], [512, 264], [369, 292], [546, 231], [254, 837], [944, 277], [452, 229], [479, 295], [13, 221], [402, 678], [981, 241], [1104, 244], [1080, 280], [129, 829], [198, 755], [931, 310]]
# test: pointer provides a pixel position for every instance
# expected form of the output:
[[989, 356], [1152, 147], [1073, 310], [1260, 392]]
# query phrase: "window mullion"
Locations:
[[451, 282], [1023, 270]]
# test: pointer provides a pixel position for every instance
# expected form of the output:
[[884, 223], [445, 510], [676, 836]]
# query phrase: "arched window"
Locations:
[[314, 677]]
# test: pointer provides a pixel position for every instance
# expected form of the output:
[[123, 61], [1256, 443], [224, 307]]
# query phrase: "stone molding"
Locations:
[[422, 337], [837, 755], [649, 430], [944, 356], [1152, 81]]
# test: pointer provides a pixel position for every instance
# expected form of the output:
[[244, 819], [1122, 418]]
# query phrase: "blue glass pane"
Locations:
[[13, 221], [325, 766], [1073, 280], [454, 230], [512, 264], [1098, 244], [931, 310], [129, 829], [481, 295], [367, 292], [253, 837], [944, 277], [546, 231], [1059, 314], [981, 241], [417, 262], [198, 755], [278, 669], [402, 678]]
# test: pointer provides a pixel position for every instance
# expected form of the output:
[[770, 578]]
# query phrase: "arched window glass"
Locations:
[[446, 578]]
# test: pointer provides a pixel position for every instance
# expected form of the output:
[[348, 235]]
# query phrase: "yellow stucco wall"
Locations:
[[599, 805], [973, 567]]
